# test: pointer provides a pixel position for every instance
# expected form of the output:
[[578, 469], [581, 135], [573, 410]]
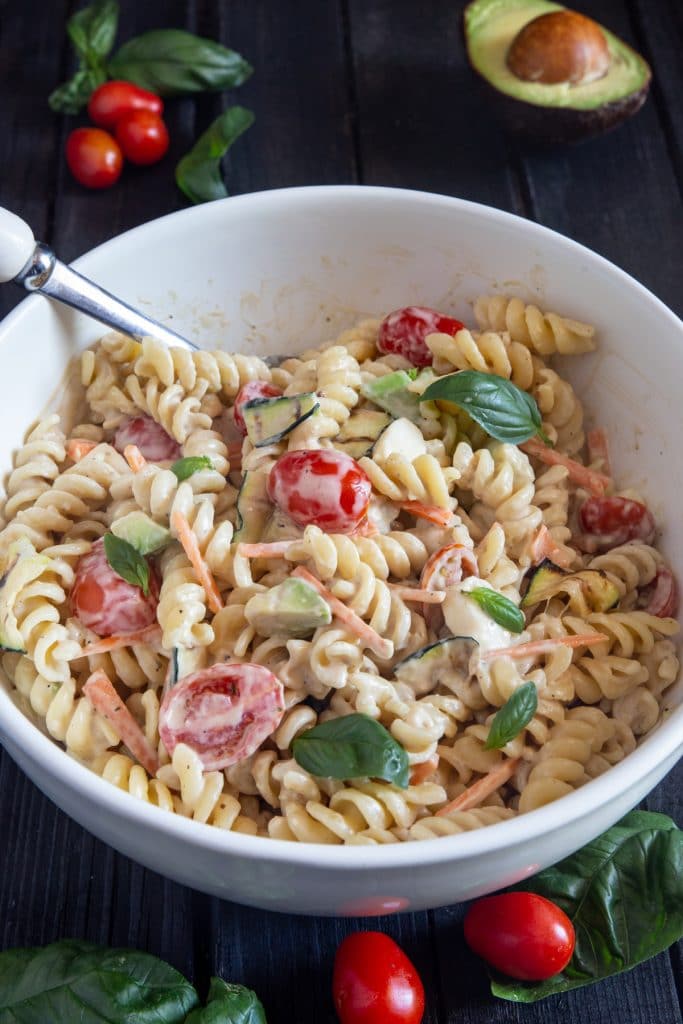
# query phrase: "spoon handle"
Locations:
[[35, 266]]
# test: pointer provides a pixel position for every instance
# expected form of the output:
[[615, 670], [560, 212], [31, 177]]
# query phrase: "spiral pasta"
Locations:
[[487, 352], [544, 333]]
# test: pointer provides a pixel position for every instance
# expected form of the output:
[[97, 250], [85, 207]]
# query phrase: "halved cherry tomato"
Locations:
[[374, 982], [113, 100], [247, 393], [224, 713], [662, 594], [143, 137], [149, 437], [521, 934], [609, 522], [404, 331], [326, 488], [106, 603], [94, 157], [448, 566]]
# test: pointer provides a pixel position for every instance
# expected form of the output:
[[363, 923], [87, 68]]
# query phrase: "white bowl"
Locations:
[[278, 271]]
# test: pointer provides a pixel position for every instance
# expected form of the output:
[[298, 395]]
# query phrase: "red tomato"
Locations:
[[104, 602], [404, 331], [143, 137], [113, 100], [94, 157], [521, 934], [613, 521], [149, 436], [224, 712], [326, 488], [247, 393], [446, 567], [374, 982], [662, 594]]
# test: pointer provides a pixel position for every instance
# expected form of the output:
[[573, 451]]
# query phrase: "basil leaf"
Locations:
[[496, 404], [624, 895], [229, 1004], [74, 980], [499, 607], [198, 174], [73, 95], [127, 562], [351, 747], [184, 468], [512, 717], [93, 31], [172, 62]]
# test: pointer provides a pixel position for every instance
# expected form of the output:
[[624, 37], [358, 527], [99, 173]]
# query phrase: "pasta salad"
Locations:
[[383, 590]]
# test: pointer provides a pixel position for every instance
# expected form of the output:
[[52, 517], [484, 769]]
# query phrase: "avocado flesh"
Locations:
[[555, 113]]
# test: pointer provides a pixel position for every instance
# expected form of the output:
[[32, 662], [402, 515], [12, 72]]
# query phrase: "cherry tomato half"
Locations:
[[326, 488], [106, 603], [613, 521], [113, 100], [521, 934], [143, 137], [149, 436], [662, 594], [94, 157], [374, 982], [224, 712], [247, 393], [403, 332]]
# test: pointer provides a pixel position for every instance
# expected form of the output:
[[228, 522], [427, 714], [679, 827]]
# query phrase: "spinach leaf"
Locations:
[[496, 404], [512, 717], [184, 468], [198, 174], [229, 1004], [92, 32], [500, 608], [171, 62], [351, 747], [624, 895], [73, 980], [72, 96], [127, 562]]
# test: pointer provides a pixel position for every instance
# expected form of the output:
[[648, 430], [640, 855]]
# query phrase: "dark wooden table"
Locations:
[[373, 91]]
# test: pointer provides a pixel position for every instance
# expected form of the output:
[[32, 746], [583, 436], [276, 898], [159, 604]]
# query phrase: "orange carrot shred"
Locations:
[[543, 546], [78, 447], [541, 646], [107, 703], [417, 594], [432, 513], [364, 529], [598, 449], [382, 648], [134, 457], [148, 635], [479, 790], [276, 549], [596, 483], [190, 546], [422, 771]]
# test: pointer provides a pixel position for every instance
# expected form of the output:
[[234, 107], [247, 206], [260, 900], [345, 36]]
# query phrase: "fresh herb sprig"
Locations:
[[198, 173], [127, 562], [499, 607], [514, 716], [186, 467], [351, 747]]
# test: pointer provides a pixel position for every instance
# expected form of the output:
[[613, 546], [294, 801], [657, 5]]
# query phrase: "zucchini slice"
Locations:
[[589, 590], [390, 393], [141, 532], [270, 419], [292, 608], [253, 507], [423, 670]]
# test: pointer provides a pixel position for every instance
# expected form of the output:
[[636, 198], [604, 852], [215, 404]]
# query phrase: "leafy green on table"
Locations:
[[127, 562], [499, 607], [514, 716], [229, 1004], [184, 468], [501, 408], [92, 32], [624, 895], [352, 747], [198, 173]]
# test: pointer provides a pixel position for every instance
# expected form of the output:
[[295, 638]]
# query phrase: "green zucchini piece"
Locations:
[[589, 590], [253, 507], [390, 393], [141, 532], [544, 577], [183, 662], [24, 566], [292, 608], [364, 425], [401, 437], [425, 669], [270, 419]]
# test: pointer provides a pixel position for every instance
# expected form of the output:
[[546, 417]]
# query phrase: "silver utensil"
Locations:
[[35, 266]]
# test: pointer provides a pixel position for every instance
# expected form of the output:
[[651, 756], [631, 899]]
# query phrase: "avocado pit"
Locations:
[[561, 46]]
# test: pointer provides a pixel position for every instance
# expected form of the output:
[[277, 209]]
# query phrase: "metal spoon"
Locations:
[[35, 266]]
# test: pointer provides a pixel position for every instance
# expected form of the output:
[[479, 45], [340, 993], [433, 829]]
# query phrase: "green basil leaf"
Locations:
[[229, 1004], [172, 62], [501, 408], [184, 468], [624, 895], [73, 95], [73, 980], [128, 563], [514, 715], [93, 31], [351, 747], [198, 174], [499, 607]]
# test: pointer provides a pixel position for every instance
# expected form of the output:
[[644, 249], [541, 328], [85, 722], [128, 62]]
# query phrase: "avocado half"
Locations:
[[550, 113]]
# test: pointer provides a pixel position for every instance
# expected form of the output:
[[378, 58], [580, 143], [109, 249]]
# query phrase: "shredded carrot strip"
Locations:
[[107, 702], [148, 635], [543, 546], [277, 549], [422, 771], [364, 529], [541, 646], [188, 540], [382, 648], [477, 793], [598, 449], [134, 457], [596, 483], [77, 447], [417, 594], [432, 513]]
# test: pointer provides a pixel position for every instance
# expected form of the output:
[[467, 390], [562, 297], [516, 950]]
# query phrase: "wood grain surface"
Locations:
[[373, 91]]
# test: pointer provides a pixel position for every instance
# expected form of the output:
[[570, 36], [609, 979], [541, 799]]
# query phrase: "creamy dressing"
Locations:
[[464, 617]]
